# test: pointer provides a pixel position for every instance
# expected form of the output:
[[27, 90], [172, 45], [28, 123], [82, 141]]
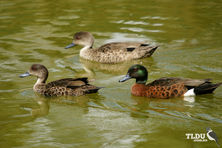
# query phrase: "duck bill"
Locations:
[[70, 45], [25, 75], [125, 78]]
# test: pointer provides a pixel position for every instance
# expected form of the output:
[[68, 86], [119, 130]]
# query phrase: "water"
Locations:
[[188, 33]]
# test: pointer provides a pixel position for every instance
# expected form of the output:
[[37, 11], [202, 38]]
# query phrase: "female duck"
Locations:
[[166, 87], [115, 52], [62, 87]]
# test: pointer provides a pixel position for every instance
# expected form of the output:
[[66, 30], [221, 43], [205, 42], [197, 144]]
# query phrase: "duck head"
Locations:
[[85, 39], [38, 70], [137, 72]]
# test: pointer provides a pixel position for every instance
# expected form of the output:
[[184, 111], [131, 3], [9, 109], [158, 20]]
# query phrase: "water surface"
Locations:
[[188, 33]]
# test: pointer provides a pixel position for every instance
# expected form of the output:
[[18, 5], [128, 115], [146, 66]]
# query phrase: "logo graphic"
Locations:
[[203, 137], [212, 135], [197, 137]]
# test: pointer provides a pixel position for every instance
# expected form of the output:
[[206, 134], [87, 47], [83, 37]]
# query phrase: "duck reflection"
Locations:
[[163, 106], [43, 109], [82, 101], [90, 67]]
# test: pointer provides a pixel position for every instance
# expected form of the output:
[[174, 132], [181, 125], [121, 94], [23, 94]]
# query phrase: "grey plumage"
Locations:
[[115, 52]]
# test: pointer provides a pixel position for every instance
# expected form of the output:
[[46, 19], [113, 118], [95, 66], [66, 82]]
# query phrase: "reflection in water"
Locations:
[[117, 69], [190, 99], [85, 101], [165, 107], [81, 101], [43, 109]]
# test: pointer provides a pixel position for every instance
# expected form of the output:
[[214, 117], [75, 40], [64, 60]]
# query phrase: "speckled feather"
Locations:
[[115, 52], [62, 87], [167, 87], [118, 52], [67, 87]]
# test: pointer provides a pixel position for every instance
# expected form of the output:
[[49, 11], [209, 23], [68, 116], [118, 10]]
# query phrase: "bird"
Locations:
[[166, 87], [212, 136], [62, 87], [115, 52]]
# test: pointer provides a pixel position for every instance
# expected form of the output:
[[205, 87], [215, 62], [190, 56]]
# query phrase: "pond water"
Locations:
[[188, 34]]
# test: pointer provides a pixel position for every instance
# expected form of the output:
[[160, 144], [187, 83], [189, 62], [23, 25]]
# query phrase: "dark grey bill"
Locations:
[[25, 75], [126, 77], [70, 45]]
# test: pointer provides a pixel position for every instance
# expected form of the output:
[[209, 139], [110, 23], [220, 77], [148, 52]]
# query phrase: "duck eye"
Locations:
[[135, 69], [77, 37], [34, 68]]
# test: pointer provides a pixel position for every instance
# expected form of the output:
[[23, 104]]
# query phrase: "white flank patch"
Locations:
[[189, 93]]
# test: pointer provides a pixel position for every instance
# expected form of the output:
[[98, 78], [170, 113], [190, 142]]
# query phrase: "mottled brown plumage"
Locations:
[[115, 52], [62, 87], [166, 87]]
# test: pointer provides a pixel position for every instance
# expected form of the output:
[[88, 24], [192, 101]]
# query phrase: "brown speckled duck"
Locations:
[[166, 87], [115, 52], [63, 87]]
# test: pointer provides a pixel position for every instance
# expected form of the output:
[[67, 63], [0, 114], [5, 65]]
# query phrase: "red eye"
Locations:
[[77, 37], [34, 68]]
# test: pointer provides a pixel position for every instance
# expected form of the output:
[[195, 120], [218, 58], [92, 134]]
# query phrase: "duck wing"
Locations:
[[189, 83], [68, 82], [124, 46]]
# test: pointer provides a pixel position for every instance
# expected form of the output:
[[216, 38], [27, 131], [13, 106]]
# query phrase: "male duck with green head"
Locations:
[[166, 87]]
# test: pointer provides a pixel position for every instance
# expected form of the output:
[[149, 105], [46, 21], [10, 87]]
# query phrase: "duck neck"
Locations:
[[40, 81], [84, 50], [141, 80]]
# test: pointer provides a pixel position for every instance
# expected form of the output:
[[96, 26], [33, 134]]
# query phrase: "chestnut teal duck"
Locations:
[[62, 87], [115, 52], [166, 87]]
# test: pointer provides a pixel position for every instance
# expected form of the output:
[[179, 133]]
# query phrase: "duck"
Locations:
[[166, 87], [115, 52], [62, 87]]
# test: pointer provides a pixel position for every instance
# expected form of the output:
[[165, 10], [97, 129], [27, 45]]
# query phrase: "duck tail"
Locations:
[[93, 90], [206, 88], [150, 51]]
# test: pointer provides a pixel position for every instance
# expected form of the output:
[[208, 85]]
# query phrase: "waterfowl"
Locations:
[[166, 87], [115, 52], [62, 87]]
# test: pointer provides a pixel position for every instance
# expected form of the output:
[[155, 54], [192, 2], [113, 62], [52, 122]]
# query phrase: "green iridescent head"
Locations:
[[138, 72]]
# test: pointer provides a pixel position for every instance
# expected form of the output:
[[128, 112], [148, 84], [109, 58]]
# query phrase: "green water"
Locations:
[[188, 33]]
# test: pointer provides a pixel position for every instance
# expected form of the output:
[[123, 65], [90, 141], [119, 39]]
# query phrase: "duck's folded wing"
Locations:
[[165, 81], [189, 83], [121, 46], [195, 82], [68, 82]]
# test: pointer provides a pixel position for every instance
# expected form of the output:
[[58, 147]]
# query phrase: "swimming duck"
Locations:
[[115, 52], [166, 87], [62, 87]]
